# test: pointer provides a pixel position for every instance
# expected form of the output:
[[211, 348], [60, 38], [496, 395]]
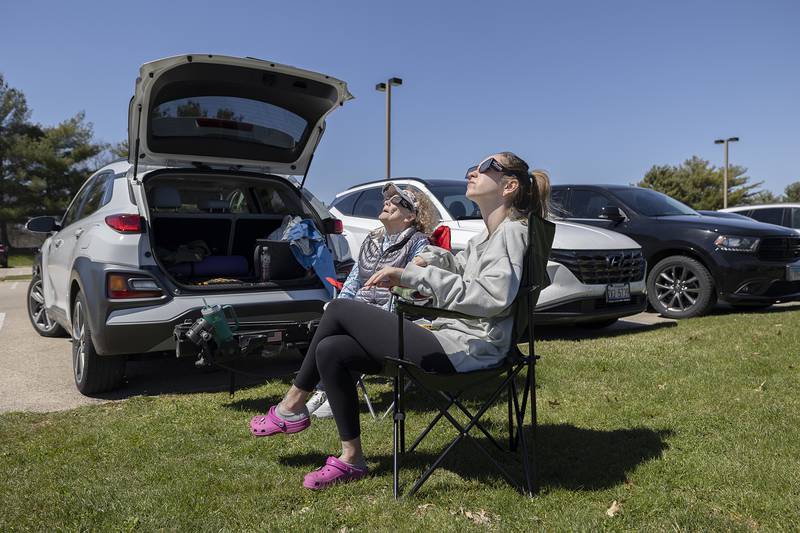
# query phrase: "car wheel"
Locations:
[[680, 287], [93, 372], [40, 319], [597, 324]]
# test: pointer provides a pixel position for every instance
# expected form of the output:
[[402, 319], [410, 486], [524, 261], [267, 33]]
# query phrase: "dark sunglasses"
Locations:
[[492, 163], [402, 202]]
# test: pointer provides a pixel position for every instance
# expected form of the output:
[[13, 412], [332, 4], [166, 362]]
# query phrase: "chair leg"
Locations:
[[366, 396], [512, 445], [531, 384], [527, 487], [396, 438]]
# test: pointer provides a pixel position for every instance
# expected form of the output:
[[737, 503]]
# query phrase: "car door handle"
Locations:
[[78, 233]]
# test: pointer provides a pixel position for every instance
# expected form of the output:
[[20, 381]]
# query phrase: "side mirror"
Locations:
[[613, 213], [43, 225]]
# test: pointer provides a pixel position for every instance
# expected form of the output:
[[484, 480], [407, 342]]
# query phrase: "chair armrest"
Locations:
[[405, 304]]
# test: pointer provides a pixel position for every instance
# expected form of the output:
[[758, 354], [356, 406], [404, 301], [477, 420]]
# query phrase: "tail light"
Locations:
[[125, 223], [333, 226], [132, 286]]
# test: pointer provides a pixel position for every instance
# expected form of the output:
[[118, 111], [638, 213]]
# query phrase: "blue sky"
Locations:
[[591, 91]]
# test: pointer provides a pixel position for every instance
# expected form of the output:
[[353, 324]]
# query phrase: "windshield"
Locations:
[[454, 199], [653, 204]]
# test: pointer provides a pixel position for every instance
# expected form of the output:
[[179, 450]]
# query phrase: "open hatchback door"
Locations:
[[235, 113]]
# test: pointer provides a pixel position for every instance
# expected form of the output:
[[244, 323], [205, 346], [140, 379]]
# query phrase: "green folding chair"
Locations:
[[446, 390]]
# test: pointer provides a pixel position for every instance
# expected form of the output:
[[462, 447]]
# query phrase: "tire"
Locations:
[[93, 372], [680, 287], [40, 319], [597, 324]]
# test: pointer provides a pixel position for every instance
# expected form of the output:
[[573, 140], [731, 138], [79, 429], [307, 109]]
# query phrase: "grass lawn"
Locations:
[[691, 427], [18, 258]]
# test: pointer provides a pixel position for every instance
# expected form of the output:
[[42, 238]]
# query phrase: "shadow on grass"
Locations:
[[154, 376], [620, 328], [567, 457], [724, 310]]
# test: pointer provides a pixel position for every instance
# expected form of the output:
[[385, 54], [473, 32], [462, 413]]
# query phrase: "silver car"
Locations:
[[220, 147]]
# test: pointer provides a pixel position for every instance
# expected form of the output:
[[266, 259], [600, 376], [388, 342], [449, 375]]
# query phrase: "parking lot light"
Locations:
[[387, 88], [725, 174]]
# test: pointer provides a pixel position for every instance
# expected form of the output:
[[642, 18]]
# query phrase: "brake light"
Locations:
[[132, 286], [125, 223], [333, 226]]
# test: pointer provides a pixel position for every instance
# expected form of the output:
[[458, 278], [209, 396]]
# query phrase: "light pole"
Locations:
[[387, 88], [725, 179]]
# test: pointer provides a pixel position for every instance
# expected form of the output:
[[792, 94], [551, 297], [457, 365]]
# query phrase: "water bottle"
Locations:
[[215, 315]]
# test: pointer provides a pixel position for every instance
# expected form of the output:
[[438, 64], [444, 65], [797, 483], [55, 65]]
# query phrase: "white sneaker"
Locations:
[[324, 410], [316, 400]]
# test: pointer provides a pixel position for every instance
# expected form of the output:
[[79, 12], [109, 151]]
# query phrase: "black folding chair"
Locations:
[[446, 390]]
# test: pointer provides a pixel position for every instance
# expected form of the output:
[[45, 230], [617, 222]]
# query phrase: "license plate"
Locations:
[[793, 272], [618, 292]]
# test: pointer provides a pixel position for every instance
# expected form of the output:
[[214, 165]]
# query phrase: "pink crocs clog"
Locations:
[[272, 424], [334, 471]]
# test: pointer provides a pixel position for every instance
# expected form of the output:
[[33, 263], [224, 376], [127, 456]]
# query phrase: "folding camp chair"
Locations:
[[446, 390]]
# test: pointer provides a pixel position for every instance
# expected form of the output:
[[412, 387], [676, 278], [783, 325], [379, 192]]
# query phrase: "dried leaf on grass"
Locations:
[[421, 509], [481, 517], [614, 510]]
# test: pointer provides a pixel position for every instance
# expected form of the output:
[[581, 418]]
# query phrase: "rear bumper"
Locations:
[[146, 325]]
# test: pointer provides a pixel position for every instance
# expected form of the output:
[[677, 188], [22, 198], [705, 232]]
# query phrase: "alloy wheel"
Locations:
[[38, 313], [677, 288], [78, 341]]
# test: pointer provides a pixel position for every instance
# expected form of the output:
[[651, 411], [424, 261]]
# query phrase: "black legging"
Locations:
[[354, 337]]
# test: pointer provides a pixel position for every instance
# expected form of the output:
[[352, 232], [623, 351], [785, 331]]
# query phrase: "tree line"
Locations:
[[699, 185], [42, 167]]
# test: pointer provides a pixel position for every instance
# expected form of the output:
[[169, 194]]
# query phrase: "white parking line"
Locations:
[[2, 319], [14, 285]]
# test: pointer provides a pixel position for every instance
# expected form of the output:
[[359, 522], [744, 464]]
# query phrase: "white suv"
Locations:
[[597, 276], [147, 242]]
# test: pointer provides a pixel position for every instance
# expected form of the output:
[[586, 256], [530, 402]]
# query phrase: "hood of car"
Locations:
[[733, 226], [209, 110], [571, 236]]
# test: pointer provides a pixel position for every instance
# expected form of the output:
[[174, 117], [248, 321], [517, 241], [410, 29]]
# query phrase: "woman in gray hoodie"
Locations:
[[481, 281]]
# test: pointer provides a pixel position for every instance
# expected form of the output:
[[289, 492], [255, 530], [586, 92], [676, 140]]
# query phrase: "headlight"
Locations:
[[733, 243]]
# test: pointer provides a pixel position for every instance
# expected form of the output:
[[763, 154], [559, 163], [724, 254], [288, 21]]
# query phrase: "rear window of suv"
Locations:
[[228, 117]]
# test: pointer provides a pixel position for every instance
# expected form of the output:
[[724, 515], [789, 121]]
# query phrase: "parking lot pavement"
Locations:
[[16, 271], [36, 372]]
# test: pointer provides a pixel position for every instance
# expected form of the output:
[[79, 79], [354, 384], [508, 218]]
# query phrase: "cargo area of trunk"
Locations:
[[205, 229]]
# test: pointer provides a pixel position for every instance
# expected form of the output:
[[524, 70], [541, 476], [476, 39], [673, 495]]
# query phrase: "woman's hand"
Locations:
[[385, 277], [419, 261]]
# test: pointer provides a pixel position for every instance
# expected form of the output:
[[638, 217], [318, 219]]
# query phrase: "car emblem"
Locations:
[[613, 260]]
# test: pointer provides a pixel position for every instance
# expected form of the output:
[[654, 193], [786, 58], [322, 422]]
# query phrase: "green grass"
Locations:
[[693, 427], [19, 259]]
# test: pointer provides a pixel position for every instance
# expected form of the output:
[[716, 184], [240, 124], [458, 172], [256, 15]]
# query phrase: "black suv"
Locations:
[[693, 259]]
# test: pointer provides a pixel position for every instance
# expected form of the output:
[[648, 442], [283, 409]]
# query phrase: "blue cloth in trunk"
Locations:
[[310, 249]]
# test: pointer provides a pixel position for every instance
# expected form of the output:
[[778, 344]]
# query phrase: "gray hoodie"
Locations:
[[482, 281]]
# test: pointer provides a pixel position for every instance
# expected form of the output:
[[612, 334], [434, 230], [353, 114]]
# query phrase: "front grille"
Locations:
[[779, 249], [593, 267]]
